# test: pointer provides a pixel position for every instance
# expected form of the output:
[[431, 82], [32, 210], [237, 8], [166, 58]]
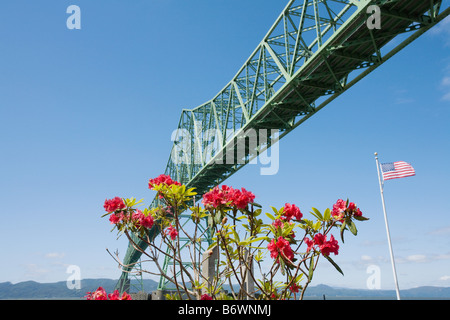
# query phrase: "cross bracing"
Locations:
[[315, 51]]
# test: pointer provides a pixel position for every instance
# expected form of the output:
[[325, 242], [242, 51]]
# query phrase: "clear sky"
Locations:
[[88, 115]]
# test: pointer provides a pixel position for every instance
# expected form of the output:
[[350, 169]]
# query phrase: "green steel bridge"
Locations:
[[315, 51]]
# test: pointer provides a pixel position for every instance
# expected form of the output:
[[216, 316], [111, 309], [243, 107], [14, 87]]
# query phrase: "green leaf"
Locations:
[[361, 218], [256, 205], [317, 214], [276, 211], [334, 264], [316, 226], [259, 239], [235, 235], [342, 230], [271, 217], [257, 212], [327, 214], [105, 214], [352, 227], [311, 269]]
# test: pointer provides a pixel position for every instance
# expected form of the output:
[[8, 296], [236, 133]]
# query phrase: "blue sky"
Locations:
[[88, 114]]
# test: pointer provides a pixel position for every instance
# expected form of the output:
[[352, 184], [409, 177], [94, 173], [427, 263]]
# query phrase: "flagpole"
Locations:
[[387, 228]]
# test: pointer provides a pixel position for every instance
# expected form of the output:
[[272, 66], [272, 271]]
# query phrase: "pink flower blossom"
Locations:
[[227, 196], [114, 204], [115, 218], [280, 247], [100, 294], [325, 247], [294, 288], [114, 296], [205, 297], [278, 223], [340, 209], [292, 211], [163, 178], [143, 220], [172, 232]]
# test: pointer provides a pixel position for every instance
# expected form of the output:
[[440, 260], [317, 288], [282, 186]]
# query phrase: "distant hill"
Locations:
[[59, 290], [320, 291]]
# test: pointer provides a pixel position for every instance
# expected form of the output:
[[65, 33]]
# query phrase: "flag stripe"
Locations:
[[398, 169]]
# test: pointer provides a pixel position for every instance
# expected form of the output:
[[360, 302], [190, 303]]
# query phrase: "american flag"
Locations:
[[398, 169]]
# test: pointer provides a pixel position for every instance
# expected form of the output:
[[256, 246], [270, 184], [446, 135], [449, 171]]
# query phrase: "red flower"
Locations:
[[115, 218], [114, 204], [143, 220], [280, 246], [114, 296], [325, 247], [125, 296], [227, 196], [242, 198], [278, 223], [272, 246], [205, 297], [217, 197], [294, 288], [100, 294], [292, 211], [166, 179], [309, 243], [172, 232], [340, 208]]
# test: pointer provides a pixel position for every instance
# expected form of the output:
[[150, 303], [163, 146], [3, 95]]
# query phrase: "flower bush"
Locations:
[[278, 252], [100, 294]]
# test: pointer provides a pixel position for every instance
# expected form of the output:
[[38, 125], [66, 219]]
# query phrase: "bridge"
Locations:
[[315, 51]]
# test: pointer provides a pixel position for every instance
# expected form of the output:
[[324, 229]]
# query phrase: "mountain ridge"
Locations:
[[59, 290]]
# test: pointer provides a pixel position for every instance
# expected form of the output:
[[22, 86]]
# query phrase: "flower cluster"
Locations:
[[227, 196], [162, 179], [116, 207], [172, 232], [114, 204], [120, 213], [100, 294], [321, 243], [291, 211], [280, 247], [343, 209], [143, 220]]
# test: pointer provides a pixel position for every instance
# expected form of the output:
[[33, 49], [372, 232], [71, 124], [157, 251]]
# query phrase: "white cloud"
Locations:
[[441, 231], [445, 81], [366, 258], [441, 27], [417, 258], [35, 271], [55, 255], [444, 278], [445, 85]]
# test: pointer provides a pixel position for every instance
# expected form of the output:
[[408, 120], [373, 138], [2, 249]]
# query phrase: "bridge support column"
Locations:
[[208, 267], [249, 285]]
